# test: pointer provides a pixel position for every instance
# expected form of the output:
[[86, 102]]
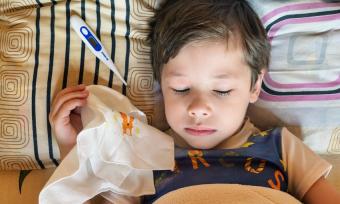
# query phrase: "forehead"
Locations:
[[232, 41], [214, 55]]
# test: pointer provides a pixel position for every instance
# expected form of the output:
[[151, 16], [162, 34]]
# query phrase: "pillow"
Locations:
[[40, 54], [302, 87]]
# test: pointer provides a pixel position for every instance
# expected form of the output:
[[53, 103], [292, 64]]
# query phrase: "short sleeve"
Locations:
[[304, 167]]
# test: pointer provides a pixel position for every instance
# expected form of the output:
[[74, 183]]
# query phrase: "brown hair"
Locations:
[[179, 22]]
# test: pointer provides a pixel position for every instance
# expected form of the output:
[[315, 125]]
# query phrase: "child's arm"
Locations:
[[322, 192], [65, 117]]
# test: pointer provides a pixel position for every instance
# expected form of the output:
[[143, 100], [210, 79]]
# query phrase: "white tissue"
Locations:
[[108, 159]]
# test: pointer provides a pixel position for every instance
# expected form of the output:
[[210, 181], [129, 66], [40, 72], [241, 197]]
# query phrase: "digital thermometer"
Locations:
[[92, 42]]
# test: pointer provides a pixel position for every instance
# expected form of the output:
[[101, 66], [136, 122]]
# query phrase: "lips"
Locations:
[[200, 131]]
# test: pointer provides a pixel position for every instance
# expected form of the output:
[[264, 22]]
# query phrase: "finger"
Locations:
[[67, 97], [62, 117], [70, 99], [67, 90]]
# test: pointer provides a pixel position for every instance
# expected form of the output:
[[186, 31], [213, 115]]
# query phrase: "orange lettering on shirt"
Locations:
[[276, 186], [249, 168], [127, 123], [197, 155]]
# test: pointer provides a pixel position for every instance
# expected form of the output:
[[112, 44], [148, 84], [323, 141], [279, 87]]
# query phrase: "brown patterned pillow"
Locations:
[[40, 54]]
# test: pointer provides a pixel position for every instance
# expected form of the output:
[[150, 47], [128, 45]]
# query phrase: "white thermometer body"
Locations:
[[93, 43]]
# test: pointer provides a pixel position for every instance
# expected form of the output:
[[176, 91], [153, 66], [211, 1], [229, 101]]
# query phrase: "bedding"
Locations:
[[226, 193], [22, 187], [40, 54], [302, 87]]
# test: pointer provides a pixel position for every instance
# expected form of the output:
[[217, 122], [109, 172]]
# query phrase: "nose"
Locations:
[[199, 108]]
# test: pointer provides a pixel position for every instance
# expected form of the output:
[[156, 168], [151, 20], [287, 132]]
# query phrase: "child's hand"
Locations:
[[65, 117]]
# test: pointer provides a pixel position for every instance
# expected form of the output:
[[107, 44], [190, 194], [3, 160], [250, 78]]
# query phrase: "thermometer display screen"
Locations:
[[92, 41]]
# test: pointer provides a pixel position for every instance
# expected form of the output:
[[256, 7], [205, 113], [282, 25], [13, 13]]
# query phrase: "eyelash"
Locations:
[[220, 93], [180, 91]]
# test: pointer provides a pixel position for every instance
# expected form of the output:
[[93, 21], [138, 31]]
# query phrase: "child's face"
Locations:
[[206, 90]]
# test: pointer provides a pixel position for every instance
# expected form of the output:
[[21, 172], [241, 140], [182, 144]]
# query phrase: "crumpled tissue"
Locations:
[[116, 152]]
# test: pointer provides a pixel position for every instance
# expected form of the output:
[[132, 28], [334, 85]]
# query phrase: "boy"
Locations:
[[210, 57]]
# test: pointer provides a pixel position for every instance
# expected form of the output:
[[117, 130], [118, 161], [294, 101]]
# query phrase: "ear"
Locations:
[[255, 92]]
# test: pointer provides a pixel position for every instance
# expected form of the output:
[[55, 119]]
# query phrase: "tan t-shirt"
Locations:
[[303, 166]]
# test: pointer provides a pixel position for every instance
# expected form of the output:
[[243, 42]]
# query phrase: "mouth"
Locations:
[[200, 131]]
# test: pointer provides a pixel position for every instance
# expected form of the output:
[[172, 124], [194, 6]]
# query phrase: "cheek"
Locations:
[[233, 108], [173, 108], [174, 116]]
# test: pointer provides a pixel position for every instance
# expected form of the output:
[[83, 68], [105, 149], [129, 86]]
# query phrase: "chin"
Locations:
[[201, 146]]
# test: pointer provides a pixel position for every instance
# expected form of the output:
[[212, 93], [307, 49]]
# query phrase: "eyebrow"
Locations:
[[175, 74], [222, 76], [218, 76]]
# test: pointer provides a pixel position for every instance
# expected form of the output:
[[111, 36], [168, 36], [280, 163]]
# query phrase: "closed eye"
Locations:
[[180, 91], [222, 93]]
